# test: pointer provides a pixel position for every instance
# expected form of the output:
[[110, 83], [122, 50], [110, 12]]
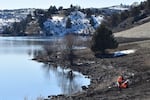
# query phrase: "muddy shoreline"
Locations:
[[103, 73]]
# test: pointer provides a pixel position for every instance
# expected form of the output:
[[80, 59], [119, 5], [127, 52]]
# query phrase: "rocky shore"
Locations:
[[103, 73]]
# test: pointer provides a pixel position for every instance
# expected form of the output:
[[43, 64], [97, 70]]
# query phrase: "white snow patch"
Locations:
[[8, 17], [80, 24], [97, 20], [79, 48], [57, 18], [119, 7], [124, 52]]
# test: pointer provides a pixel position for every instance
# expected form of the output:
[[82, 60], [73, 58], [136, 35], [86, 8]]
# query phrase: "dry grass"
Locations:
[[142, 31]]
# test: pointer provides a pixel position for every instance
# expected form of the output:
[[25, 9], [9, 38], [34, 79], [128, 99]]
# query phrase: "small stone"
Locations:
[[84, 88]]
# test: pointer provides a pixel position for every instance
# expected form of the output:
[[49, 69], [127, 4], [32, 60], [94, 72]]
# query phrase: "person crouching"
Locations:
[[121, 83]]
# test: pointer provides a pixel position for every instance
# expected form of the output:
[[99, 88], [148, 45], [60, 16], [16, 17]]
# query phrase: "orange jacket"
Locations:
[[124, 85], [120, 79]]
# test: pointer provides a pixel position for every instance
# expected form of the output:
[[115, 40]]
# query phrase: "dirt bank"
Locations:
[[104, 72]]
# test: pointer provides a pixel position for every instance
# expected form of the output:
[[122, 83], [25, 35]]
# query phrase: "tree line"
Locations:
[[111, 21], [136, 12], [18, 28]]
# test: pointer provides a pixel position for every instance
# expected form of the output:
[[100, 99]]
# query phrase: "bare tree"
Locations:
[[69, 42]]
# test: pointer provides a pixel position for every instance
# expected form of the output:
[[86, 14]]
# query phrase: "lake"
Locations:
[[22, 78]]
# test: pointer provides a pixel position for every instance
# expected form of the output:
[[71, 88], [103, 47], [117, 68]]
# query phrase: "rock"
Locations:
[[84, 88]]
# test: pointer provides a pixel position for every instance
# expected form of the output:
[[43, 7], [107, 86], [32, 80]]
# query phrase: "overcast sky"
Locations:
[[15, 4]]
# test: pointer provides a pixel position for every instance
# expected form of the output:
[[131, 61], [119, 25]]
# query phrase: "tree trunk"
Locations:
[[71, 57], [103, 51]]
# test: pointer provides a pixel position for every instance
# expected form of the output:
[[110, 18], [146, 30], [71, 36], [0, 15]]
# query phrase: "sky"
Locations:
[[45, 4]]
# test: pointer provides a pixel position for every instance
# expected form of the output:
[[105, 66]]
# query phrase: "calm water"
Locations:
[[20, 77]]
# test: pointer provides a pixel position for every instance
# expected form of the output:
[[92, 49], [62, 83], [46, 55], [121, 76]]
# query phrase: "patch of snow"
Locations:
[[7, 17], [77, 15], [80, 24], [79, 48], [124, 52], [119, 7], [97, 20], [57, 18]]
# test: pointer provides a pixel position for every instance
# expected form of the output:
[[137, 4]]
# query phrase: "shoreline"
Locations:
[[104, 72]]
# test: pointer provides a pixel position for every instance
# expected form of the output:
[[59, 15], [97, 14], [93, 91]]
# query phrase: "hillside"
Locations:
[[79, 24], [8, 17], [135, 67], [53, 21], [141, 31]]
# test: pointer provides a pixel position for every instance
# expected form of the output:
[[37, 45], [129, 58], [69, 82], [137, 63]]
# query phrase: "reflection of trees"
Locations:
[[60, 52], [47, 68], [65, 80], [72, 86]]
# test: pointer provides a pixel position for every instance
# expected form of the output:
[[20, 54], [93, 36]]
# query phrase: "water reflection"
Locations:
[[22, 77], [69, 81]]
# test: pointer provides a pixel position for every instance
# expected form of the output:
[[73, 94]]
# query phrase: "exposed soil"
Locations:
[[104, 72]]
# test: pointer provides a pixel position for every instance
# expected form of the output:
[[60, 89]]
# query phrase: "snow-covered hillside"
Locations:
[[119, 7], [7, 17], [80, 24], [114, 9]]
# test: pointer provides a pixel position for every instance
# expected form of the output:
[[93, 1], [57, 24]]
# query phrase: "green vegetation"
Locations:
[[68, 23], [103, 39]]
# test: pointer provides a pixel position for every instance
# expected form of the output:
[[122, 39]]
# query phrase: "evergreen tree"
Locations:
[[115, 19], [7, 30], [88, 12], [41, 20], [29, 18], [60, 8], [52, 10], [135, 11], [103, 39], [68, 23], [148, 6], [92, 22], [124, 15], [148, 3]]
